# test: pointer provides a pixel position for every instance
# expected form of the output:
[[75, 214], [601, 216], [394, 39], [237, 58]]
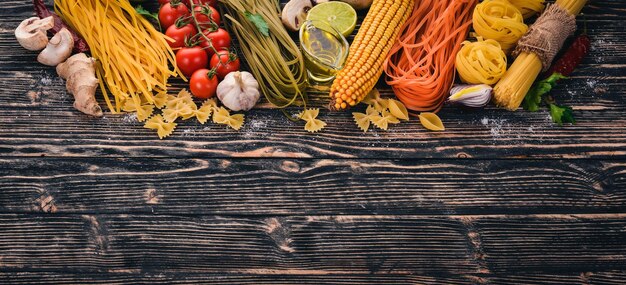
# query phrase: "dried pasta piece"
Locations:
[[222, 116], [183, 96], [363, 121], [383, 120], [481, 62], [236, 121], [499, 20], [129, 106], [309, 114], [373, 99], [211, 103], [180, 109], [144, 112], [314, 125], [202, 114], [397, 109], [431, 122], [193, 107], [163, 128], [160, 100]]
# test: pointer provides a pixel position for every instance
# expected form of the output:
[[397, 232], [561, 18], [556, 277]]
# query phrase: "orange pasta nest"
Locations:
[[420, 67]]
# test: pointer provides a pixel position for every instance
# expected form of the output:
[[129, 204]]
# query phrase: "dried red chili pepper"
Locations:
[[80, 45], [572, 57]]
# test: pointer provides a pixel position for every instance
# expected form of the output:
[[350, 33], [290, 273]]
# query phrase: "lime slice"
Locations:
[[339, 14]]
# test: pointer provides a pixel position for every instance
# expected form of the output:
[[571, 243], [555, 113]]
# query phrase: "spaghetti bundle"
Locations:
[[133, 57], [512, 88], [501, 21], [274, 59], [420, 67]]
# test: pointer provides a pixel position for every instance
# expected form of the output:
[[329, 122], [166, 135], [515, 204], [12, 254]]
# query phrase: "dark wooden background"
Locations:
[[499, 198]]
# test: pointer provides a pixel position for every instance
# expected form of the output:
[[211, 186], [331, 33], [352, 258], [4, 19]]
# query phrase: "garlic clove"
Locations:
[[474, 96], [239, 91]]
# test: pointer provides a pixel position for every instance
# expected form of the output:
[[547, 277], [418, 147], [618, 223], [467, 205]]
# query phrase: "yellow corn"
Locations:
[[370, 47]]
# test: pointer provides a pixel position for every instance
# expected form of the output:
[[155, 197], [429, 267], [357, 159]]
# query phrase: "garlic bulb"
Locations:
[[239, 91], [475, 96]]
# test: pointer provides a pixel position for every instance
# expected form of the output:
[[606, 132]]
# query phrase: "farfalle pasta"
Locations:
[[143, 111], [312, 123], [163, 128], [383, 120], [364, 120], [178, 110], [222, 116]]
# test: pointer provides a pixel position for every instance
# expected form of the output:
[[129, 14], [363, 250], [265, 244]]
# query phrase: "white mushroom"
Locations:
[[295, 11], [58, 49], [31, 33]]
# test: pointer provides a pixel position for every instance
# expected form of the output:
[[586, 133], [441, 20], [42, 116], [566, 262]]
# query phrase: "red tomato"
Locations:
[[212, 3], [161, 2], [203, 84], [224, 62], [190, 59], [220, 39], [180, 35], [205, 14], [169, 13]]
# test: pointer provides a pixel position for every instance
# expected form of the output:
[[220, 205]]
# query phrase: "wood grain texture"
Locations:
[[303, 187], [37, 117], [194, 278], [402, 245], [529, 203], [115, 278]]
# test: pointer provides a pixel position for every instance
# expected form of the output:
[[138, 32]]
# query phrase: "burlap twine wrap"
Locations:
[[547, 35]]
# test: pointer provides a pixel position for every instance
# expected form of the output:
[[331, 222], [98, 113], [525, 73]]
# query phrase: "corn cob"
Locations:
[[371, 45]]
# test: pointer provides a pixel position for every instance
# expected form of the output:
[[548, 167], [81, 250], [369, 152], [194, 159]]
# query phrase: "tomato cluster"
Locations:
[[202, 46]]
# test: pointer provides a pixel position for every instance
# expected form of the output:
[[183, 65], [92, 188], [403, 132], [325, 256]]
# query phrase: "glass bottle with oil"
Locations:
[[324, 49]]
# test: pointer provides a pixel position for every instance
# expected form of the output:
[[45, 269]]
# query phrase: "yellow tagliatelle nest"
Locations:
[[481, 62], [499, 20], [528, 7], [135, 60]]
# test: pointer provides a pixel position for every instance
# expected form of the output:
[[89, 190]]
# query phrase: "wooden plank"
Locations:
[[37, 117], [489, 134], [314, 245], [194, 278], [302, 187], [156, 277]]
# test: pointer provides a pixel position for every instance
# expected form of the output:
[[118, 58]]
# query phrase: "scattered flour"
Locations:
[[497, 127], [600, 43], [591, 83], [130, 118]]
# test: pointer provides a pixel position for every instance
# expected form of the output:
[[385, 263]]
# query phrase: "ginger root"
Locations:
[[79, 71]]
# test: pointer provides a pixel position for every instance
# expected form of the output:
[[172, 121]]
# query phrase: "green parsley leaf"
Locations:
[[561, 114], [259, 22], [535, 94], [146, 14]]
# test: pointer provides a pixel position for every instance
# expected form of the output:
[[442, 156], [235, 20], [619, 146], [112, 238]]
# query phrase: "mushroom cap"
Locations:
[[59, 48], [294, 13], [31, 33]]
